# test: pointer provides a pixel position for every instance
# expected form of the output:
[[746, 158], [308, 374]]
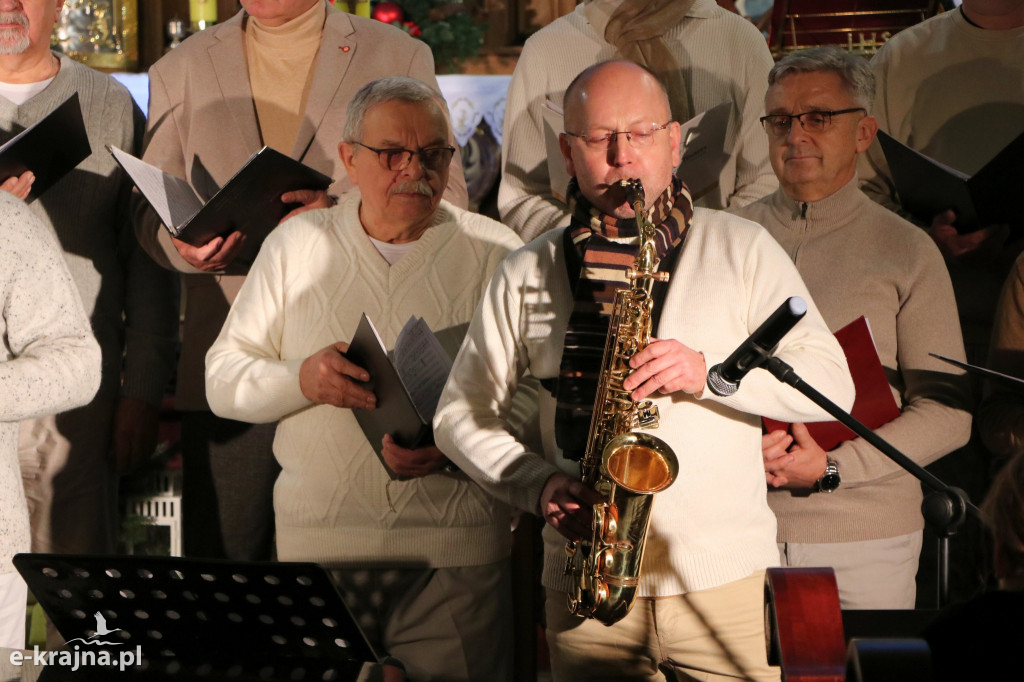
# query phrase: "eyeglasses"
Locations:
[[638, 139], [811, 121], [397, 159]]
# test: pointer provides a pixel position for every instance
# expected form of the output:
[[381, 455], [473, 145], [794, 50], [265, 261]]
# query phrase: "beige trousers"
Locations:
[[871, 574], [450, 624], [710, 635]]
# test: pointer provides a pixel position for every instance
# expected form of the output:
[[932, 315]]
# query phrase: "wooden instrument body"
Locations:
[[804, 624]]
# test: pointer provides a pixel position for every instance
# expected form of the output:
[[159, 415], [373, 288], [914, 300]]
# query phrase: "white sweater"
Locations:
[[49, 359], [713, 525], [556, 54], [311, 282]]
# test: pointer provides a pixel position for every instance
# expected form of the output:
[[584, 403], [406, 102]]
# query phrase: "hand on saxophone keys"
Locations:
[[666, 366], [568, 505]]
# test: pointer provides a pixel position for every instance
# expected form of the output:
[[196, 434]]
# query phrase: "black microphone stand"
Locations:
[[944, 508]]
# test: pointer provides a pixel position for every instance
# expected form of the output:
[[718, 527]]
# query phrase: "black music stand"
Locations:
[[199, 618]]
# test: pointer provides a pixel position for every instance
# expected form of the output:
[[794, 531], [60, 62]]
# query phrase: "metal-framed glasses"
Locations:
[[811, 121], [398, 159], [638, 139]]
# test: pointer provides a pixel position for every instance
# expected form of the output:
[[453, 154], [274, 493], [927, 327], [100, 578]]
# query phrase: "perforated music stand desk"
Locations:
[[201, 619]]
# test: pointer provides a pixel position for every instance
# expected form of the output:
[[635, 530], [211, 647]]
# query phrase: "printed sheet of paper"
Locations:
[[172, 198], [423, 365]]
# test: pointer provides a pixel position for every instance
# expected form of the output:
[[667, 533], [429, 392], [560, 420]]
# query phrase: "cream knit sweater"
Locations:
[[556, 54], [314, 277], [49, 359], [713, 525], [858, 258]]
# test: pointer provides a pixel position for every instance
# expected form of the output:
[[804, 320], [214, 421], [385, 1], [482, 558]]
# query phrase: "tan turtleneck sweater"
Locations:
[[858, 258], [281, 61]]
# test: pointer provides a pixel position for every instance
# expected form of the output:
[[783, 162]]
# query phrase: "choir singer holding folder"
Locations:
[[422, 562], [279, 73], [852, 508]]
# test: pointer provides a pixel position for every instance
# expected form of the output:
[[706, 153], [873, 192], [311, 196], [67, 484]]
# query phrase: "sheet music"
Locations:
[[423, 364], [172, 198]]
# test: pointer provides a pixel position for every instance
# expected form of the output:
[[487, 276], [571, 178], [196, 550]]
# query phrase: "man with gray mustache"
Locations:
[[422, 561]]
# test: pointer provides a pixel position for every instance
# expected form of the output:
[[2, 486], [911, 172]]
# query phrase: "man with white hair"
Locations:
[[421, 560], [852, 508], [69, 461]]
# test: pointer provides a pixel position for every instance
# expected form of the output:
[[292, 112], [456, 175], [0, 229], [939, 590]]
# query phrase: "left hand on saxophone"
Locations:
[[666, 366]]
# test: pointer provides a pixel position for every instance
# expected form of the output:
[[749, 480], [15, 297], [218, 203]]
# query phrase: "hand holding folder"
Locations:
[[249, 203], [50, 148], [874, 404], [407, 384]]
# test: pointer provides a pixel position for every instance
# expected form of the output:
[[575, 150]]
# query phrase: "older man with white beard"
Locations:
[[68, 462], [422, 561]]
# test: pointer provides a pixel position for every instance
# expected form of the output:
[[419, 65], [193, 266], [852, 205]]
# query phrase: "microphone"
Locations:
[[724, 378]]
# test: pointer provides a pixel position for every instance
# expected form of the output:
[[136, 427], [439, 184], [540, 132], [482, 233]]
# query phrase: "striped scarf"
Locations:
[[604, 250]]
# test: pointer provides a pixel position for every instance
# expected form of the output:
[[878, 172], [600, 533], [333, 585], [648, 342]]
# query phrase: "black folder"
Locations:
[[395, 412], [50, 148], [989, 197], [250, 201]]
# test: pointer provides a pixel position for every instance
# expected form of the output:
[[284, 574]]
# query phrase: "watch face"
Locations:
[[829, 482]]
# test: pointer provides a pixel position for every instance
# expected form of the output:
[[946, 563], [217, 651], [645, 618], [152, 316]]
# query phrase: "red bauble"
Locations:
[[412, 29], [388, 12]]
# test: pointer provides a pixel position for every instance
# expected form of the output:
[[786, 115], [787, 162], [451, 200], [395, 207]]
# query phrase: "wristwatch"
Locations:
[[829, 480]]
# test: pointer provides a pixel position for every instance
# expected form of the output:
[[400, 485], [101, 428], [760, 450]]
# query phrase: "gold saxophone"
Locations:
[[626, 467]]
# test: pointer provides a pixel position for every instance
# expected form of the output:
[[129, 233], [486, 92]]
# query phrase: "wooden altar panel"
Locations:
[[860, 26]]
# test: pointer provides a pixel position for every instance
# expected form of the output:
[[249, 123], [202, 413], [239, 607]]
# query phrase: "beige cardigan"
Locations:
[[202, 127]]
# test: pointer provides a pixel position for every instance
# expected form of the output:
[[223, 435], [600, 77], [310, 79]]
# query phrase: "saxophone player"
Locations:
[[544, 315]]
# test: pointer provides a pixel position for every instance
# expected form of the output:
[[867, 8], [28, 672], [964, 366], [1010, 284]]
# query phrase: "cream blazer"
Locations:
[[202, 127]]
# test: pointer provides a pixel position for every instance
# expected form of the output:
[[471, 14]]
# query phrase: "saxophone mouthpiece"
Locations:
[[634, 190]]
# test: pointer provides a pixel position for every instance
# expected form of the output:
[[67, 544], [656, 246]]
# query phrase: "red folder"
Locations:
[[874, 404]]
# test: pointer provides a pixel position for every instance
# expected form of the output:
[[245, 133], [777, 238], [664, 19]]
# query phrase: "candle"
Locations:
[[363, 8], [202, 13]]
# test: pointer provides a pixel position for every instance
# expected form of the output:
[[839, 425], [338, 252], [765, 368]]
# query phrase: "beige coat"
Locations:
[[202, 127]]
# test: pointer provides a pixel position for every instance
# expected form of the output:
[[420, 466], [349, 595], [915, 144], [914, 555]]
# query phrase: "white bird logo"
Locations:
[[101, 626]]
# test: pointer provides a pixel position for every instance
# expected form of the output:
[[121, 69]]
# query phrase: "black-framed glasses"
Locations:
[[398, 159], [638, 139], [811, 121]]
